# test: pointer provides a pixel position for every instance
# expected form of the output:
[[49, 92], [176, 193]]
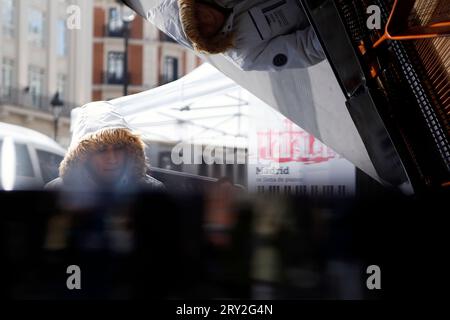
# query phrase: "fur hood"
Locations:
[[213, 45], [97, 124], [263, 35], [177, 19]]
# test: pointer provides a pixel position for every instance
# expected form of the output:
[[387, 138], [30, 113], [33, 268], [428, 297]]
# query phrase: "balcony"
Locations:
[[111, 78], [21, 98], [113, 33]]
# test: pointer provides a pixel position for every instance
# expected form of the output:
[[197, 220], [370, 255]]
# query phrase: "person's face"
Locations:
[[108, 163], [210, 19]]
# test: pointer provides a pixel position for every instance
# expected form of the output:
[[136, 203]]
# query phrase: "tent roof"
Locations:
[[204, 107], [207, 107]]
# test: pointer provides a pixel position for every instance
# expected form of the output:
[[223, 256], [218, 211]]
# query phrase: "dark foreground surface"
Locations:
[[163, 246]]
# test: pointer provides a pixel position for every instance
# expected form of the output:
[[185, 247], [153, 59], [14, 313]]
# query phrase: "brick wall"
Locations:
[[99, 22], [97, 95], [135, 64], [97, 73], [137, 28]]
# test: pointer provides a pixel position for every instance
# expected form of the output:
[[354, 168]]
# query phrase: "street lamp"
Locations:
[[57, 107], [128, 17]]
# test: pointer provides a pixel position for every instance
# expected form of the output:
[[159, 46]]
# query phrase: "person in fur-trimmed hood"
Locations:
[[254, 34], [104, 154]]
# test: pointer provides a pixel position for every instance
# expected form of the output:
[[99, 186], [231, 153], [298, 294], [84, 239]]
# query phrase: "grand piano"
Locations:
[[382, 98], [396, 80]]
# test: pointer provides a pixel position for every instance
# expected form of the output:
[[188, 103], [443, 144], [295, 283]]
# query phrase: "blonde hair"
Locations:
[[213, 45]]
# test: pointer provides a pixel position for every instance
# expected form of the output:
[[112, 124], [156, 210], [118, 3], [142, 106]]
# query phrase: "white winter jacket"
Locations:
[[269, 34]]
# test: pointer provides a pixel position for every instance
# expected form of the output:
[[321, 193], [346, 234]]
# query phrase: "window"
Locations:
[[24, 168], [36, 83], [170, 70], [8, 13], [229, 171], [115, 67], [241, 174], [203, 169], [1, 145], [49, 164], [115, 24], [217, 170], [61, 48], [23, 161], [7, 78], [36, 27], [165, 162], [61, 86]]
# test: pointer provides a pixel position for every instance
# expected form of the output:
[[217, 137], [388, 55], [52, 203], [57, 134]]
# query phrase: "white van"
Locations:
[[37, 157]]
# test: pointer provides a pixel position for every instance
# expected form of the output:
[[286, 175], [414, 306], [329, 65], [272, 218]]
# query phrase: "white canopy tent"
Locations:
[[204, 107], [207, 108], [310, 97]]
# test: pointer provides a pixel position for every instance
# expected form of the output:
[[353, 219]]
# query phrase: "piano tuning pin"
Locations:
[[446, 184], [373, 72], [362, 47]]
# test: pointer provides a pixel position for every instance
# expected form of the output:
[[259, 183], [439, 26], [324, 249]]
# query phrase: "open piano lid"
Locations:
[[312, 98], [396, 79]]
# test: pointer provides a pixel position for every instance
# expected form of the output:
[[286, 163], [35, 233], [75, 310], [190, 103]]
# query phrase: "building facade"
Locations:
[[153, 58], [76, 48], [42, 54]]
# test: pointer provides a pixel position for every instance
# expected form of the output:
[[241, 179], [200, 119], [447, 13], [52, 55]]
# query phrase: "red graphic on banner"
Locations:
[[292, 145]]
